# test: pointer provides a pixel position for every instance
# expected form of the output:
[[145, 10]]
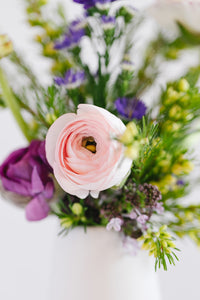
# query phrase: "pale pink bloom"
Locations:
[[132, 215], [159, 207], [169, 12], [115, 223], [78, 170], [142, 219]]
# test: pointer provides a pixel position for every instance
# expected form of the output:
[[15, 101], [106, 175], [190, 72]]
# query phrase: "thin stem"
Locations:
[[16, 59], [11, 102]]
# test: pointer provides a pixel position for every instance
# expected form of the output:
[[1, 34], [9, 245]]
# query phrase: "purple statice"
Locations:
[[91, 3], [180, 182], [114, 223], [73, 36], [130, 108], [72, 80], [87, 3], [27, 173], [108, 22]]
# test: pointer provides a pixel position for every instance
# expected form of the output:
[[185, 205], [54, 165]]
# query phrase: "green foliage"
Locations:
[[160, 244], [185, 221], [2, 103]]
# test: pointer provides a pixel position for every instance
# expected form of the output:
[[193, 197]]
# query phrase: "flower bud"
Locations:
[[50, 118], [6, 46], [77, 209], [175, 111], [172, 95], [66, 222], [183, 85]]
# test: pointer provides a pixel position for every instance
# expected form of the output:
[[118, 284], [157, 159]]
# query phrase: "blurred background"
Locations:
[[26, 248]]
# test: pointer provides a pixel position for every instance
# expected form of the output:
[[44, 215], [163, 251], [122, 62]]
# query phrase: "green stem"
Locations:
[[11, 102]]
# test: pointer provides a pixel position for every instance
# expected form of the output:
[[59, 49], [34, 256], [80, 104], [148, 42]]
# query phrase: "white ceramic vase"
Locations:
[[95, 266]]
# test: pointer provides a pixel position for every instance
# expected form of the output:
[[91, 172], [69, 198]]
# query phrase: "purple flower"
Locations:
[[130, 108], [87, 3], [180, 182], [90, 3], [26, 172], [108, 22], [72, 79], [72, 38], [115, 223]]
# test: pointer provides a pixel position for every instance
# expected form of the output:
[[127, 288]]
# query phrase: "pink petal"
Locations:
[[53, 134]]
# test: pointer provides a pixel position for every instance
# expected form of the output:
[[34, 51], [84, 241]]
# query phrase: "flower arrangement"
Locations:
[[99, 153]]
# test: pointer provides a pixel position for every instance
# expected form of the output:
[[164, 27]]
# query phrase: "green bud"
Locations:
[[183, 85], [172, 94], [83, 219], [175, 112], [50, 118], [33, 125], [77, 209], [66, 222], [127, 12]]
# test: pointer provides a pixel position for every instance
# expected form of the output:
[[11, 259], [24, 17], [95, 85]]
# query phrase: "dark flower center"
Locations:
[[89, 144]]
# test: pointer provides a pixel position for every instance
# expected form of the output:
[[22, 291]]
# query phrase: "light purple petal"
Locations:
[[37, 185], [48, 190], [37, 209]]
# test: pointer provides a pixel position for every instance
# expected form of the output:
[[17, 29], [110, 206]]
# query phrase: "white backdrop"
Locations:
[[26, 248]]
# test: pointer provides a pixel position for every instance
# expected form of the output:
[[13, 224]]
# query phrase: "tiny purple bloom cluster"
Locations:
[[115, 223], [72, 38], [108, 22], [26, 172], [130, 108], [72, 79], [90, 3]]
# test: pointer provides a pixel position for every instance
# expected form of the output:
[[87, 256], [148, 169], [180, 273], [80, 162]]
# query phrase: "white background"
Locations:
[[26, 248]]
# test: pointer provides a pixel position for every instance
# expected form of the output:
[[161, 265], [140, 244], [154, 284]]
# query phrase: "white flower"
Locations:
[[115, 223], [169, 12]]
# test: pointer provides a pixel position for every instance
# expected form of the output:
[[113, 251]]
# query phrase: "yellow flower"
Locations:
[[132, 151], [129, 134], [6, 46]]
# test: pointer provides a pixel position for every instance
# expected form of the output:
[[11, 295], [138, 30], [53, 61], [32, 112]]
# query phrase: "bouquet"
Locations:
[[101, 151]]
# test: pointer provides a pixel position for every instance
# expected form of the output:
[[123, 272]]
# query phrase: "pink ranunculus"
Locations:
[[168, 12], [83, 154]]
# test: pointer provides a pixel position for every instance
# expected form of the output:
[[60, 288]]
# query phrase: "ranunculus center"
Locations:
[[89, 144]]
